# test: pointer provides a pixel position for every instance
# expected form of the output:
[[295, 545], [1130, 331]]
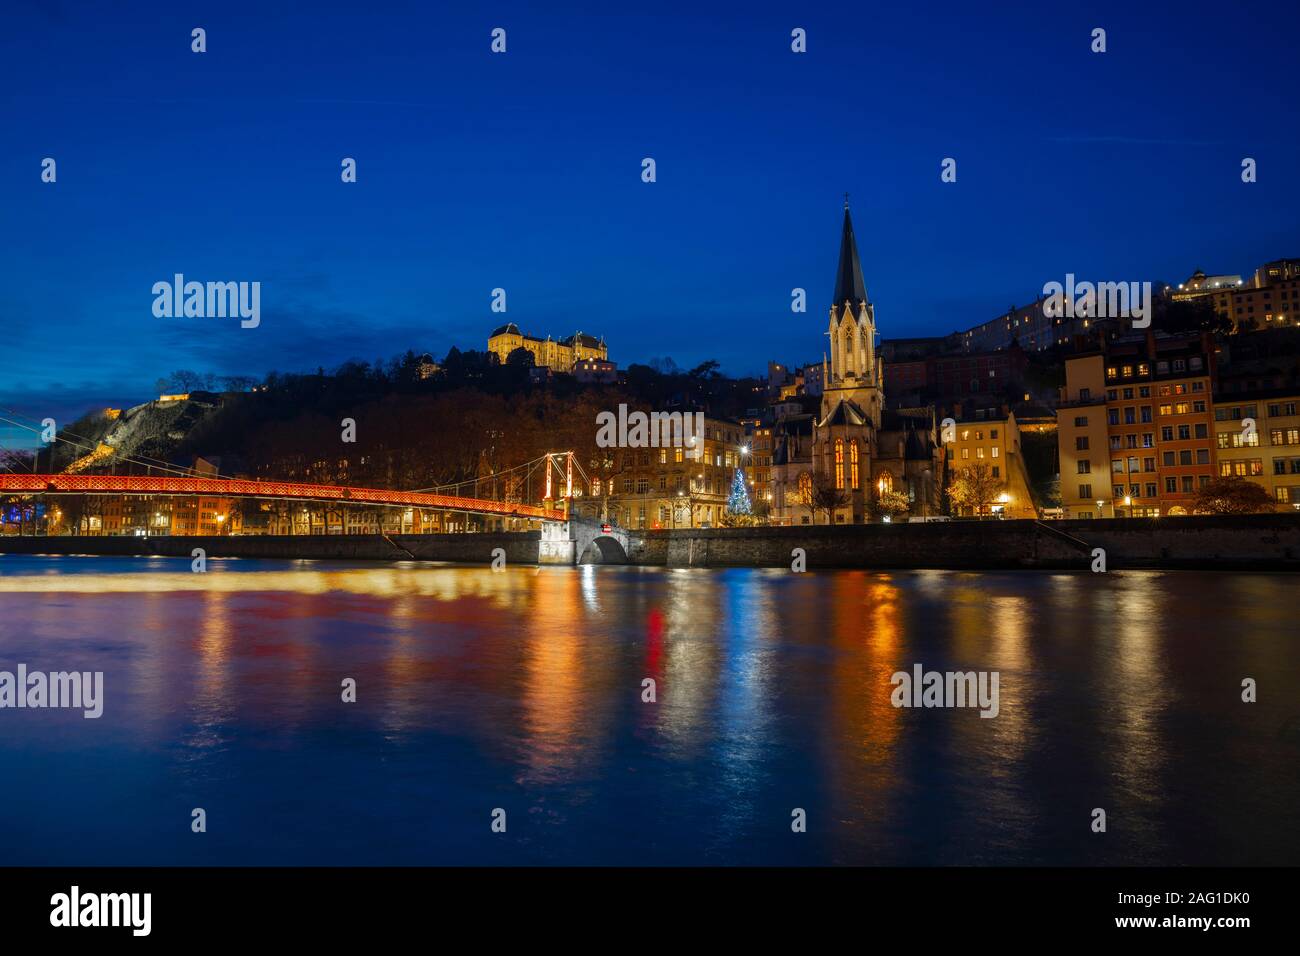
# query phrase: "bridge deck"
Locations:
[[245, 488]]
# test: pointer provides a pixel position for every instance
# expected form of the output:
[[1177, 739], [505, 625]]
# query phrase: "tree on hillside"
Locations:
[[1232, 495], [238, 383], [1188, 316], [974, 487], [705, 370], [521, 358], [183, 380]]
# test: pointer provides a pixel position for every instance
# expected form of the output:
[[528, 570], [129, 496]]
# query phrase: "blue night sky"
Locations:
[[523, 171]]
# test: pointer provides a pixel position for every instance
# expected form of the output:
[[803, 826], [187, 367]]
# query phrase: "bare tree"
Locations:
[[826, 497]]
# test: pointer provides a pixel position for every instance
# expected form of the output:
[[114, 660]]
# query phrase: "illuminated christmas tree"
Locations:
[[738, 500]]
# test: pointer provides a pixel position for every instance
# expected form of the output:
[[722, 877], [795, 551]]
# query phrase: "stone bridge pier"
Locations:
[[582, 541]]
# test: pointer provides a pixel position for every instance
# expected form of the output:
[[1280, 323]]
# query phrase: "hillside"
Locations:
[[152, 430]]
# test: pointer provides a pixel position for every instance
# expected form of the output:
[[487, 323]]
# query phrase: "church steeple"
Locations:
[[849, 286], [854, 365]]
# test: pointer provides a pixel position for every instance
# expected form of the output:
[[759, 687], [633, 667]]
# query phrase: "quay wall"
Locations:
[[1256, 542], [1242, 542], [520, 546]]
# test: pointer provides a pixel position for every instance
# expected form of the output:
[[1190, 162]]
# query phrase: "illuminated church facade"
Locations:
[[855, 443]]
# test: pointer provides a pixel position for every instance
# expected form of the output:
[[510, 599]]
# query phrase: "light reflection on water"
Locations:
[[522, 689]]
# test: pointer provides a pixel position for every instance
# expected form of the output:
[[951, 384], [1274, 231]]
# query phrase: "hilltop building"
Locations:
[[561, 355], [1270, 300]]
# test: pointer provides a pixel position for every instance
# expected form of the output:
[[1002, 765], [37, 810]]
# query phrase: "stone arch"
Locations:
[[603, 549]]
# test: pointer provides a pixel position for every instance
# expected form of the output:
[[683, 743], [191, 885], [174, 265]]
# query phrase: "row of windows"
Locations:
[[1144, 391], [723, 459], [641, 486], [1276, 436], [1194, 363], [703, 513], [1184, 408], [1170, 459], [1235, 413], [1131, 415], [1168, 433], [1246, 467], [1134, 414], [1186, 484], [1136, 491], [994, 452]]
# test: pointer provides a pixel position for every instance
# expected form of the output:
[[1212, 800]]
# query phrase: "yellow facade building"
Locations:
[[559, 355], [1134, 426], [675, 487], [1258, 438], [994, 442]]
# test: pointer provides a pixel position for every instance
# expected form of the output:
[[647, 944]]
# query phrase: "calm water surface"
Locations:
[[522, 690]]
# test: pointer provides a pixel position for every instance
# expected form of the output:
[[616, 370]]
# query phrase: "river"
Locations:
[[523, 691]]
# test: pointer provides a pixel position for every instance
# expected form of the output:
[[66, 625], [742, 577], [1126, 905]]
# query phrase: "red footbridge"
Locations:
[[246, 488]]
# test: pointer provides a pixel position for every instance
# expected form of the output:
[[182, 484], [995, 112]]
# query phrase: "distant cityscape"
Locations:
[[1033, 414]]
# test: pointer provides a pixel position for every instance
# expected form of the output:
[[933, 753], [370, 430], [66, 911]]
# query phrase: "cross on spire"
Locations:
[[846, 200]]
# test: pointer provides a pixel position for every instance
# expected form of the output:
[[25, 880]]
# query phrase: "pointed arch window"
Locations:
[[853, 465], [839, 463]]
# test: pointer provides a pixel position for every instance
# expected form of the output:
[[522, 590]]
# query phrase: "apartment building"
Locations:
[[1257, 437], [674, 487], [1136, 427], [994, 442]]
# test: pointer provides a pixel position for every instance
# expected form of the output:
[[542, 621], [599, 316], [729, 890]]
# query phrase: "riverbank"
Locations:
[[1226, 542], [1215, 542], [519, 547]]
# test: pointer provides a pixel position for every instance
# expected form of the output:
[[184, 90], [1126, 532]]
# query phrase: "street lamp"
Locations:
[[1101, 508]]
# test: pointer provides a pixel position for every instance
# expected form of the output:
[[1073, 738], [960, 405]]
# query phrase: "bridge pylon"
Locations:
[[560, 466]]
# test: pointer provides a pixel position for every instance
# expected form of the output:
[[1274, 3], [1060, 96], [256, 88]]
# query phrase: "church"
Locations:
[[855, 443]]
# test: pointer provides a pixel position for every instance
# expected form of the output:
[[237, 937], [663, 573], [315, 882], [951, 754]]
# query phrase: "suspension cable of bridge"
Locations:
[[142, 461]]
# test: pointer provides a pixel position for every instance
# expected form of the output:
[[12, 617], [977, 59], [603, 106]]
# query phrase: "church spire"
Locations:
[[849, 285]]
